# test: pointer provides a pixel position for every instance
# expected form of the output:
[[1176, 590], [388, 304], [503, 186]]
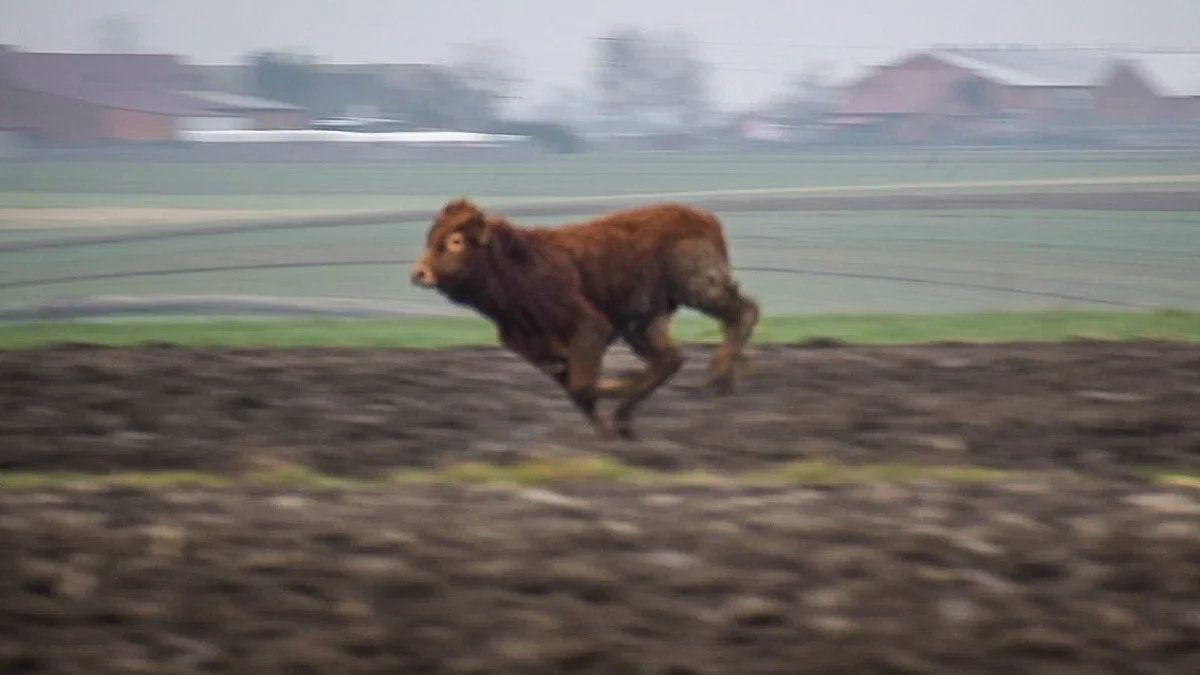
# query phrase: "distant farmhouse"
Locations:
[[81, 99], [981, 94], [123, 103], [408, 96], [943, 95]]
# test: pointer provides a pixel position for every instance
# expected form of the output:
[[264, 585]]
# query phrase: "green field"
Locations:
[[302, 185], [907, 262], [797, 263]]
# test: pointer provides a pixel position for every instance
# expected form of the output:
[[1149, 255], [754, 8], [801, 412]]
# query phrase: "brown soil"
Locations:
[[1031, 579], [1032, 576], [1092, 406]]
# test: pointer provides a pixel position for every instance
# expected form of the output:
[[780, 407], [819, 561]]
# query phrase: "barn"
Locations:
[[978, 94], [86, 99], [1175, 78], [240, 111], [917, 99]]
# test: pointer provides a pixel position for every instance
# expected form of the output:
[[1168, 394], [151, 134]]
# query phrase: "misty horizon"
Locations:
[[753, 46]]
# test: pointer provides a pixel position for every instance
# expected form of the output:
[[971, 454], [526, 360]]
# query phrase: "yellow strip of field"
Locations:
[[1178, 179], [27, 217]]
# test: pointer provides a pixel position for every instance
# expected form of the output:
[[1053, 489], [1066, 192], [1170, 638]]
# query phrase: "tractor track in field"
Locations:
[[1115, 200]]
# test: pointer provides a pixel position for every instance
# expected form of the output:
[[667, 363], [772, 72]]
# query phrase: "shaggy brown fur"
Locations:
[[560, 297]]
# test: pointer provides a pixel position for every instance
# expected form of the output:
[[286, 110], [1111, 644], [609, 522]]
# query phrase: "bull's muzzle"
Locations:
[[421, 275]]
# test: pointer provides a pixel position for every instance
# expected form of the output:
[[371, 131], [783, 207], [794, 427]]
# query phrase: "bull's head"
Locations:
[[458, 233]]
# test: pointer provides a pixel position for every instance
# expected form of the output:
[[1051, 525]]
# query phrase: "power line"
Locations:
[[899, 48]]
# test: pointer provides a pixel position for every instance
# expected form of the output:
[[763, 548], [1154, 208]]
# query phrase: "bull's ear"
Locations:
[[477, 228], [458, 206]]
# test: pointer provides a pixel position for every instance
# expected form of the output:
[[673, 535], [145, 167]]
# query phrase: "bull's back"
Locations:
[[630, 261], [639, 234]]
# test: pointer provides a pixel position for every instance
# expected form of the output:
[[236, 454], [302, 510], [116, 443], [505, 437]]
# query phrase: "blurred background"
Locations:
[[284, 158]]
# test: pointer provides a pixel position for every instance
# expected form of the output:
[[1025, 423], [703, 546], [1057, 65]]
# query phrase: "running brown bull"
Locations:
[[559, 297]]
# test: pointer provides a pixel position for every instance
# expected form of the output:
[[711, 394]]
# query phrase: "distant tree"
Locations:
[[643, 78], [488, 73], [283, 76], [553, 136], [569, 105], [618, 73], [806, 96]]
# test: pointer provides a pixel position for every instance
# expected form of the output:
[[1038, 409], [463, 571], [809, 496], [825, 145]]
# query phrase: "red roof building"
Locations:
[[913, 100], [72, 98], [978, 93]]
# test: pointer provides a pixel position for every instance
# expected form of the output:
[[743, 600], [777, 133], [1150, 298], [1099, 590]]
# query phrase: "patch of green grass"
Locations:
[[471, 331], [562, 470], [538, 472], [553, 471], [418, 333], [986, 327], [1190, 479], [827, 472]]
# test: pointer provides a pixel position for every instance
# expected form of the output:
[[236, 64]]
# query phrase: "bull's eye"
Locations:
[[454, 243]]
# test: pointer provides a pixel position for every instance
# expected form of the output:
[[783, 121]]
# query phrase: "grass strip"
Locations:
[[550, 472], [470, 331]]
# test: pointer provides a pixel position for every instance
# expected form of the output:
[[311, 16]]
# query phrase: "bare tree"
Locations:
[[682, 79], [806, 96], [487, 69], [284, 76], [642, 78]]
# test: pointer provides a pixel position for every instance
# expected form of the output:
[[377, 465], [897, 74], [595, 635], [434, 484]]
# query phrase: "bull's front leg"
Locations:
[[575, 367], [584, 359]]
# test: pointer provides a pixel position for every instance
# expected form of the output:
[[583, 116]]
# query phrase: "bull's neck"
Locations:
[[515, 287]]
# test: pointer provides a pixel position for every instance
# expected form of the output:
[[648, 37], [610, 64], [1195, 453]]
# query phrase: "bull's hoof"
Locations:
[[625, 431], [606, 433], [623, 425], [725, 384], [602, 428]]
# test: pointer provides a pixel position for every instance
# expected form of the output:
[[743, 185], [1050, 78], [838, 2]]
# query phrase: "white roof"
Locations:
[[1032, 67], [1170, 74], [226, 99], [329, 135]]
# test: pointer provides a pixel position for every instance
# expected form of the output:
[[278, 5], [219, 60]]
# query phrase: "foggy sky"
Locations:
[[754, 44]]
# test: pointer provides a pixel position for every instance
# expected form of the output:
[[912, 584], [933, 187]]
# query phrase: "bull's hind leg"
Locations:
[[738, 314], [655, 346], [704, 281], [617, 387]]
